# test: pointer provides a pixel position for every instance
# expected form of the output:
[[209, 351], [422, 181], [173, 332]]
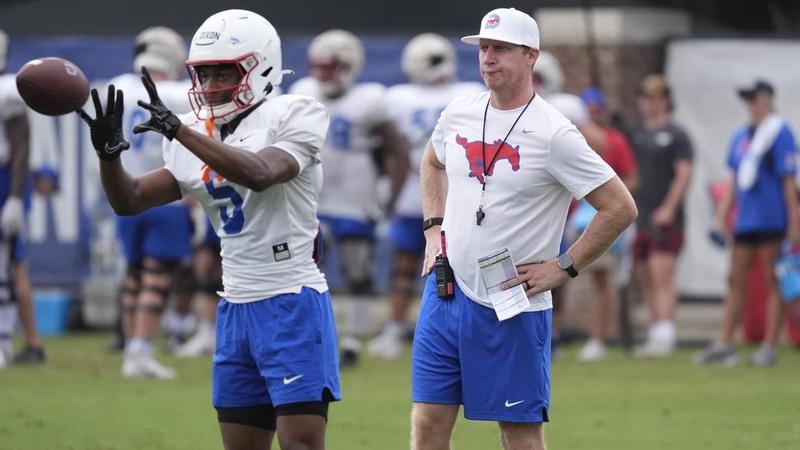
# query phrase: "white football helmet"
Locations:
[[160, 49], [343, 52], [549, 70], [429, 58], [246, 40], [3, 50]]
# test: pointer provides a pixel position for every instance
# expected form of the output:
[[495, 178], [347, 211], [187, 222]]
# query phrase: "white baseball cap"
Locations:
[[507, 25]]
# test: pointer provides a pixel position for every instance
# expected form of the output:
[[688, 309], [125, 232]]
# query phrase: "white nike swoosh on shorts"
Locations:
[[510, 404], [292, 379]]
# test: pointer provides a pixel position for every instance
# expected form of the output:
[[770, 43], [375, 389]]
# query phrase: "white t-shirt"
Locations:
[[543, 164], [414, 110], [267, 237], [350, 188], [11, 105], [144, 154]]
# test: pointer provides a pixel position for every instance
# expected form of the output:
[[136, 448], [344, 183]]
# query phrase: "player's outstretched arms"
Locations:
[[126, 195], [256, 171]]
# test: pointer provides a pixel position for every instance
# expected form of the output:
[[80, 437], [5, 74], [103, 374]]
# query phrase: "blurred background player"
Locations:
[[610, 269], [664, 154], [429, 62], [158, 240], [349, 205], [763, 156], [207, 267], [15, 283]]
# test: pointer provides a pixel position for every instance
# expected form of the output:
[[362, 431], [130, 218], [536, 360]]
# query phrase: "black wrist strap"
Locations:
[[427, 223]]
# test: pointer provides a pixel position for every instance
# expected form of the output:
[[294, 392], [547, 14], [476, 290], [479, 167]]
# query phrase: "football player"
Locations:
[[349, 205], [254, 166], [429, 62], [156, 241], [15, 283]]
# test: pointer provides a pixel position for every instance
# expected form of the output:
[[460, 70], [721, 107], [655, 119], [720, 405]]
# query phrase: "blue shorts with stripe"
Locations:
[[277, 351], [163, 233], [463, 355], [342, 227]]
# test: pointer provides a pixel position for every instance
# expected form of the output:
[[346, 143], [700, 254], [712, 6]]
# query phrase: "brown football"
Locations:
[[52, 86]]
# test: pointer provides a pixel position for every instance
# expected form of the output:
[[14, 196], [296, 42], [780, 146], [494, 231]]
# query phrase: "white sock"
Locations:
[[595, 342], [206, 327], [186, 324], [140, 346], [396, 328], [8, 319], [6, 348], [356, 316], [664, 331]]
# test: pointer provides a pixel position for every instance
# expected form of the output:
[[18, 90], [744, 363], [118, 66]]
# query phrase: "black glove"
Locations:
[[106, 129], [162, 120]]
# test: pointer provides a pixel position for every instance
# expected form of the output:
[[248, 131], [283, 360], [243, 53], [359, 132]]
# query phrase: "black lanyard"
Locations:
[[479, 214]]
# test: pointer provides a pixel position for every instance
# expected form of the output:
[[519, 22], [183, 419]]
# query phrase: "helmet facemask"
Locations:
[[246, 41], [225, 102]]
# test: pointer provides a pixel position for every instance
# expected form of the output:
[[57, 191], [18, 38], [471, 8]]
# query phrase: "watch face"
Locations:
[[564, 261]]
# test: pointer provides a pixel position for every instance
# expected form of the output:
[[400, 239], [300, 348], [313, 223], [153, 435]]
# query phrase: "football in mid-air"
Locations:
[[52, 86]]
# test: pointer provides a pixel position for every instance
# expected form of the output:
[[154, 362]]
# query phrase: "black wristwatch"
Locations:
[[427, 223], [566, 264]]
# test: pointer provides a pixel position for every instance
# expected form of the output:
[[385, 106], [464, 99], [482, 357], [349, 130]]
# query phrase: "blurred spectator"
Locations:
[[664, 154], [763, 157], [619, 155]]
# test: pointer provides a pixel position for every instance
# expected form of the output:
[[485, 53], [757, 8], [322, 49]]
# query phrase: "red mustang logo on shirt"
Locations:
[[494, 152]]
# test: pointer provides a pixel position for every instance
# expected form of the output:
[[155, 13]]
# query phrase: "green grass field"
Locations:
[[79, 401]]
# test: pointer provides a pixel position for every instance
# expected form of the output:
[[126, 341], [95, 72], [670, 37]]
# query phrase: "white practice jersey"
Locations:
[[145, 153], [414, 109], [267, 237], [350, 188], [533, 176], [11, 105]]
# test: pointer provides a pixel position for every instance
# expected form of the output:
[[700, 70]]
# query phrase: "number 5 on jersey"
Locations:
[[233, 222]]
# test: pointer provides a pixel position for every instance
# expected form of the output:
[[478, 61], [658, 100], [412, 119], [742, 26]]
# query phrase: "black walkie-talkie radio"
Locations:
[[445, 279]]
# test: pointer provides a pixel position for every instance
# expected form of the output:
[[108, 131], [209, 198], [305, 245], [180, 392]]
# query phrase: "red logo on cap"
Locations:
[[492, 21]]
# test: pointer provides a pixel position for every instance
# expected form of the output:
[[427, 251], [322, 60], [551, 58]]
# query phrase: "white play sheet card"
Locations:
[[496, 269]]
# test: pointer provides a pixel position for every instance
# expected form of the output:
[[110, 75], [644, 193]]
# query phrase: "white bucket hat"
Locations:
[[507, 25]]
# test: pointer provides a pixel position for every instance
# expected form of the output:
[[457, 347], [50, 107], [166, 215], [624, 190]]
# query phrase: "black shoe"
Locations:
[[30, 355], [348, 359]]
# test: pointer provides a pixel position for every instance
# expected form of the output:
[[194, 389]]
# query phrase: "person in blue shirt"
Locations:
[[763, 158]]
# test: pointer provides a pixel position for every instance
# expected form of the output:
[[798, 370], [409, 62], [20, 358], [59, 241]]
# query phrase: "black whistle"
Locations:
[[479, 215]]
